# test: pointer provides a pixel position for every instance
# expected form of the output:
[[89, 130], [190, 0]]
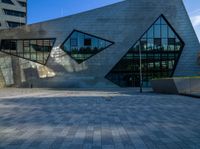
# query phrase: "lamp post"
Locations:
[[141, 80]]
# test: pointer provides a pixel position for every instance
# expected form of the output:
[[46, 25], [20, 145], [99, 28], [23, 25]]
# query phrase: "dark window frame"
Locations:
[[73, 42], [75, 30], [87, 42], [7, 2], [17, 24], [23, 4], [14, 13], [140, 38], [24, 39]]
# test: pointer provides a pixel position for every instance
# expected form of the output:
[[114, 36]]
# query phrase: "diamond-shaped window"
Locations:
[[160, 48], [81, 46]]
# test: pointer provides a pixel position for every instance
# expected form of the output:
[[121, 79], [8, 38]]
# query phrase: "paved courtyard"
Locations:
[[50, 119]]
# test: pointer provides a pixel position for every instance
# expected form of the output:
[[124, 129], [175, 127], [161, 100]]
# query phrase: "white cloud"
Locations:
[[195, 12], [196, 20]]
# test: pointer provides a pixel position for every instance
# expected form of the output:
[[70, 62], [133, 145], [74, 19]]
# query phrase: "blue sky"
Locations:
[[193, 8], [41, 10]]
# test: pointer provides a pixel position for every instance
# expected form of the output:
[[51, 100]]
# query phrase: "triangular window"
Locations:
[[160, 50]]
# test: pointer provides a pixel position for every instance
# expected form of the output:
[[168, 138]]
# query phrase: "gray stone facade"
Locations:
[[13, 5], [123, 23], [6, 67]]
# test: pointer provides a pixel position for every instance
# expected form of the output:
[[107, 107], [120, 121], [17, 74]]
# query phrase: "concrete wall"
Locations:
[[2, 81], [122, 23], [6, 69], [178, 85], [6, 63]]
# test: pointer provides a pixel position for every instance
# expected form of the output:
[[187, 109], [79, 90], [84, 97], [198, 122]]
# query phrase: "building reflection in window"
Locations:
[[36, 50], [81, 46], [161, 48]]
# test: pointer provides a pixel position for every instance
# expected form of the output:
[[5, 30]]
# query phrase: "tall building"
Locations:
[[13, 13], [103, 47]]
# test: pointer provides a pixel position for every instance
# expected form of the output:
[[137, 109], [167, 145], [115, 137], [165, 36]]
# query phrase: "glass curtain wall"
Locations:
[[160, 50], [81, 46], [36, 50]]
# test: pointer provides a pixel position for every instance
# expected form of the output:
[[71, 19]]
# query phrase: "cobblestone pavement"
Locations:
[[48, 119]]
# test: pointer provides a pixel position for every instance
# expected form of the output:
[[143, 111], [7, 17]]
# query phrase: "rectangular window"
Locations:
[[7, 2], [87, 42], [26, 49], [14, 13], [13, 46], [171, 43], [157, 43], [164, 44], [164, 31], [5, 44], [157, 31], [33, 51], [143, 44], [150, 33], [14, 24], [150, 45], [47, 46], [23, 4], [74, 42], [20, 48]]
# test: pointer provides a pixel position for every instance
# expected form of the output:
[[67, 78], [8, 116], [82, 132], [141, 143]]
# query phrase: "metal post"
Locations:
[[141, 80]]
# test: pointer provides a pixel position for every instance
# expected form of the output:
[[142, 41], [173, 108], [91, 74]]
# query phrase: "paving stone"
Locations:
[[79, 119]]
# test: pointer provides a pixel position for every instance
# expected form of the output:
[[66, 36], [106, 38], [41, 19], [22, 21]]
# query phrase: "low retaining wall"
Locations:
[[176, 85]]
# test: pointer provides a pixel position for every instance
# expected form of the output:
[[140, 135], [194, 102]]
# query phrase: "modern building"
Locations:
[[12, 13], [104, 47]]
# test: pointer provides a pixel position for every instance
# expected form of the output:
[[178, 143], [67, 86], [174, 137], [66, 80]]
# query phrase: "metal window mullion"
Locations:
[[161, 54], [43, 50], [141, 79], [153, 58], [70, 45], [132, 60]]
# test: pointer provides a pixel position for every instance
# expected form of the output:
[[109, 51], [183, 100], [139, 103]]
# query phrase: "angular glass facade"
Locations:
[[36, 50], [160, 48], [81, 46]]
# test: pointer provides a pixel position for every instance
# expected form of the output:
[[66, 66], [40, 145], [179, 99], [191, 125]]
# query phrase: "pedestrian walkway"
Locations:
[[97, 119]]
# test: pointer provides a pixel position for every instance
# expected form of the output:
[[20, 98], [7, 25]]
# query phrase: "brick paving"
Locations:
[[112, 119]]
